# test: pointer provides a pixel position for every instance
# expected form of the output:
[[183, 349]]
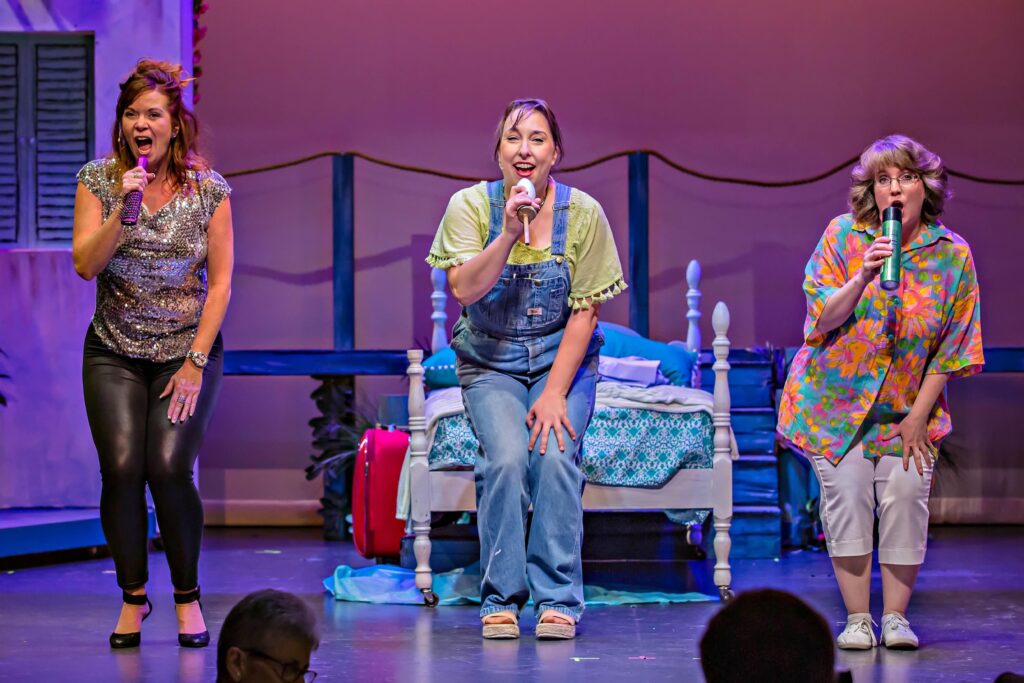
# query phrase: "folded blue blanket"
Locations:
[[388, 584]]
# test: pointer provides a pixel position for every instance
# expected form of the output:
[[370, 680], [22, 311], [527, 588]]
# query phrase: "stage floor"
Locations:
[[54, 620]]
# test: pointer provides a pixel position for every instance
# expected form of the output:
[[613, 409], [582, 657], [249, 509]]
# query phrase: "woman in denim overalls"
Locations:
[[527, 350]]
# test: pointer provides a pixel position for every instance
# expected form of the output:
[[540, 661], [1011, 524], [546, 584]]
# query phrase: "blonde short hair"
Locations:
[[909, 155]]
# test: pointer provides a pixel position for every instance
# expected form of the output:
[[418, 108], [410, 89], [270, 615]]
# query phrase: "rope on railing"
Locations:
[[600, 160]]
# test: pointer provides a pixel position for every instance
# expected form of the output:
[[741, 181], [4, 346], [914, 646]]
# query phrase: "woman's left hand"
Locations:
[[183, 388], [914, 432], [549, 413]]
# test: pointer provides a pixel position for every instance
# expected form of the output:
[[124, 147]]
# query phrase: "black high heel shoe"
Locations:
[[124, 640], [191, 639]]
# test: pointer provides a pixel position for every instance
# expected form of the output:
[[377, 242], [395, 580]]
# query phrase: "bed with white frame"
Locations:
[[453, 490]]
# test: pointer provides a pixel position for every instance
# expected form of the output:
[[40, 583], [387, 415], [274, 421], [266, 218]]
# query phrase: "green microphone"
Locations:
[[892, 227]]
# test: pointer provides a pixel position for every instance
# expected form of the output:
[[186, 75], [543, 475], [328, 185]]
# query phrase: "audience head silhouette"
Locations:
[[767, 635], [268, 636]]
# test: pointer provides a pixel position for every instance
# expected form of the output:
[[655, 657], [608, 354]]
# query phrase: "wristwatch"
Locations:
[[198, 358]]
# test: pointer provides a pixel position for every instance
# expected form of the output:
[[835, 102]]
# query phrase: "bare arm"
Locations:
[[928, 394], [220, 261], [93, 240], [185, 385], [840, 306], [914, 427], [549, 412], [474, 278]]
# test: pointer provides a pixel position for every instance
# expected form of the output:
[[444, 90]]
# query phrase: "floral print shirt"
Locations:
[[866, 373]]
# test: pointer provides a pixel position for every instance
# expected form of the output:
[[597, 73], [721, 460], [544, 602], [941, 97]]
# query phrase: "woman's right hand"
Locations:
[[874, 257], [136, 180], [518, 198]]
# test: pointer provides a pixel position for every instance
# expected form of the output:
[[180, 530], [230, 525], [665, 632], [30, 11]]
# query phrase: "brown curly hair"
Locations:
[[183, 154], [909, 155]]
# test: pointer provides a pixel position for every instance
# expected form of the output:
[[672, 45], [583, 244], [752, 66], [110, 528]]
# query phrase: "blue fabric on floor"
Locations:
[[388, 584]]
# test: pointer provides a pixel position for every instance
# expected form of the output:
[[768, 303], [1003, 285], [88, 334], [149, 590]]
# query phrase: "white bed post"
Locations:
[[419, 478], [722, 466], [693, 340], [438, 299]]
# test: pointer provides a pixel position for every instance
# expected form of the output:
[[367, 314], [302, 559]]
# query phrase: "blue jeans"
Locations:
[[510, 477]]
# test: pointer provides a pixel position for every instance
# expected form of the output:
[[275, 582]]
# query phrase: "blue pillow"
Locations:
[[628, 331], [439, 369], [675, 362]]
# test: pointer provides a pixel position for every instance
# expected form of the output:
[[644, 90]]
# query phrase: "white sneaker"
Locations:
[[858, 634], [897, 634]]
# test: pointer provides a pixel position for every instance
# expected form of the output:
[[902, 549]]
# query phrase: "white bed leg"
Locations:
[[419, 478], [693, 340], [723, 452], [438, 299]]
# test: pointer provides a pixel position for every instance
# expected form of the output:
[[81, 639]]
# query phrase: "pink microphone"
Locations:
[[133, 201]]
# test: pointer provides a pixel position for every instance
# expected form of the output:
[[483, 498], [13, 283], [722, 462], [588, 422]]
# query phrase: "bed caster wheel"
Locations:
[[726, 594], [430, 598]]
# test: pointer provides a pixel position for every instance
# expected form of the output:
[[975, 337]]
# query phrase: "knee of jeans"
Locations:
[[500, 464], [559, 463], [569, 453]]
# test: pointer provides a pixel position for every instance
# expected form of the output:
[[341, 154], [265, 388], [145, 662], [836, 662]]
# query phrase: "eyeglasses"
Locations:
[[904, 179], [289, 672]]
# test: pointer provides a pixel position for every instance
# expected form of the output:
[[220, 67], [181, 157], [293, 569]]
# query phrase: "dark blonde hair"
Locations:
[[183, 154], [522, 108], [909, 155]]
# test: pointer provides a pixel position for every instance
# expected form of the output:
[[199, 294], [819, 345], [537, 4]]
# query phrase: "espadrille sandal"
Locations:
[[555, 625], [501, 626]]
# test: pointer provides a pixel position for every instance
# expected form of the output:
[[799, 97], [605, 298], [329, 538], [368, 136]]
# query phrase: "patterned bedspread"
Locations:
[[639, 447], [638, 437]]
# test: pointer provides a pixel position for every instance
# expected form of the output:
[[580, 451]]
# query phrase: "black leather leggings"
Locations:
[[137, 445]]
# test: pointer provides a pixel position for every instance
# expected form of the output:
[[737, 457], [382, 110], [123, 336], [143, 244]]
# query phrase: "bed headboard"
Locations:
[[439, 298]]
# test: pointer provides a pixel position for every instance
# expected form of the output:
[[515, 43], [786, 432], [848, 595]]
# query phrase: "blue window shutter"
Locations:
[[62, 131], [8, 143]]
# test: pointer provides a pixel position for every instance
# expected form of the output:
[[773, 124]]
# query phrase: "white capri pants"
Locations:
[[852, 490]]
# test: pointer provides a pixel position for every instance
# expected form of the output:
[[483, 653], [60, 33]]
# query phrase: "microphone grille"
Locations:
[[530, 189]]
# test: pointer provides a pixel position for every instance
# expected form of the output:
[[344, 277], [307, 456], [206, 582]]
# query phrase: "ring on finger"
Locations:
[[181, 399]]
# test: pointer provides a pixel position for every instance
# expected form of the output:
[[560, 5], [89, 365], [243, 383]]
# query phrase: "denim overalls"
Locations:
[[506, 343]]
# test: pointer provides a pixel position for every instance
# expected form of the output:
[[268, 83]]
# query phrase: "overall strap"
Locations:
[[560, 228], [496, 198]]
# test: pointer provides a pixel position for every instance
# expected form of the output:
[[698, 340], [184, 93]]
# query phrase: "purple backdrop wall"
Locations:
[[765, 90], [46, 453]]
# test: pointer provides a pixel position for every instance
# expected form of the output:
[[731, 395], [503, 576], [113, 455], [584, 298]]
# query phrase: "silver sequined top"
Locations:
[[152, 292]]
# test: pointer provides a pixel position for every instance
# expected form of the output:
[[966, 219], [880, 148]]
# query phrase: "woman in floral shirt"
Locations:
[[864, 397]]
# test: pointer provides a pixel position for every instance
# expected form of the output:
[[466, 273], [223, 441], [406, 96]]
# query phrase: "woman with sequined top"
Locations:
[[153, 353]]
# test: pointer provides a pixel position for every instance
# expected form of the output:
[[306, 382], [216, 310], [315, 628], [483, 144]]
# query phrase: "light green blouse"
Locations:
[[589, 247]]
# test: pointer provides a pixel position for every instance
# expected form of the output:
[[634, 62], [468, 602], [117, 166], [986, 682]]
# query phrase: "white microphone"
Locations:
[[527, 213]]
